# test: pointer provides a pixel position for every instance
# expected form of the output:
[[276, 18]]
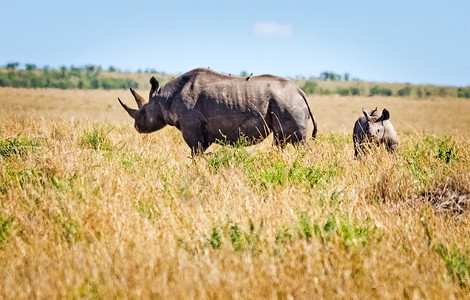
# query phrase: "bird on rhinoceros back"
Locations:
[[372, 130], [209, 107]]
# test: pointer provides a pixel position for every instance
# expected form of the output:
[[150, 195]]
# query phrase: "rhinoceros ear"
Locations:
[[366, 114], [154, 84], [130, 111], [385, 115], [138, 98]]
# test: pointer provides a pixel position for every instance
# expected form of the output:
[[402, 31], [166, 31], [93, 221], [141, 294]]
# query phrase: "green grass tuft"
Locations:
[[17, 146]]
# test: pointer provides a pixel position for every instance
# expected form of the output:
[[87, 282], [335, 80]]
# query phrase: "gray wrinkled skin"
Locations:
[[209, 107], [374, 129]]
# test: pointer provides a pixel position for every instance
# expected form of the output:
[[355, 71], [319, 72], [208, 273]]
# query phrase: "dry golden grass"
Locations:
[[91, 209], [440, 116]]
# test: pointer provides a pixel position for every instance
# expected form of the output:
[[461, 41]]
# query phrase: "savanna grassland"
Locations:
[[91, 209]]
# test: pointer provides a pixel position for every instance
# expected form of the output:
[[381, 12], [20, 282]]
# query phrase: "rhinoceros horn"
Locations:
[[130, 111], [138, 98]]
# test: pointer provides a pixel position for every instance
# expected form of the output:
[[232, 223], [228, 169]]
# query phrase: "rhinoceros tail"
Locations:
[[314, 132]]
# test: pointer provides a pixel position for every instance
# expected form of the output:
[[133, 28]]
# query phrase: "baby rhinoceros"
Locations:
[[374, 129]]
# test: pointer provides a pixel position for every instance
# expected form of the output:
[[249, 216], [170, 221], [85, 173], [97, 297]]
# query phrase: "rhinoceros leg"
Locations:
[[358, 150], [192, 129], [287, 128]]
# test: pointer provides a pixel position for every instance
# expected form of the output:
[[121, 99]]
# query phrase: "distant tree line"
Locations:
[[463, 92], [311, 87], [327, 75], [85, 77], [315, 86], [93, 77]]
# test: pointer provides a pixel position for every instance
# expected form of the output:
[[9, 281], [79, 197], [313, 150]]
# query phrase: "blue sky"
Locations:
[[425, 42]]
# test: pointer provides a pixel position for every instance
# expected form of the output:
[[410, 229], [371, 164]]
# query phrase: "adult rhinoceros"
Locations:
[[209, 107]]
